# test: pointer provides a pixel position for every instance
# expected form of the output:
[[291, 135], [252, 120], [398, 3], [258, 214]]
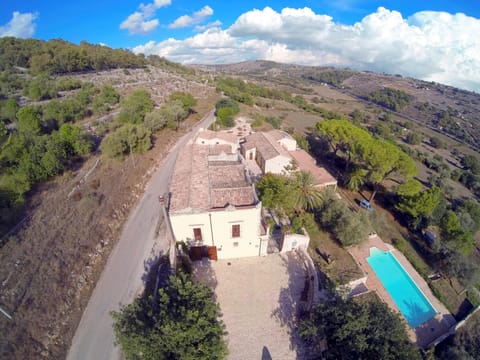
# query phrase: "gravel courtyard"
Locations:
[[258, 298]]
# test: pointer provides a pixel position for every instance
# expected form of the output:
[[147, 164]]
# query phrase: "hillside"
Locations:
[[57, 233], [59, 227], [445, 109]]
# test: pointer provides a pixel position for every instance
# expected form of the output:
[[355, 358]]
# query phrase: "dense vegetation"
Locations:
[[464, 345], [38, 141], [225, 110], [60, 57], [181, 321], [354, 330], [331, 77], [392, 99]]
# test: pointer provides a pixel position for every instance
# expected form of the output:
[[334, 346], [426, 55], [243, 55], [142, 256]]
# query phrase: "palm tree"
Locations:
[[307, 196], [356, 178]]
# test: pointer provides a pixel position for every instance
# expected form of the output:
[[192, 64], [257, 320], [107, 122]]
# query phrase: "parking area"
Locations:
[[259, 299]]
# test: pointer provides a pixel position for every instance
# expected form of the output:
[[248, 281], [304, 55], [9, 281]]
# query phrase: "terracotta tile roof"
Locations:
[[307, 163], [266, 145], [278, 135], [200, 185]]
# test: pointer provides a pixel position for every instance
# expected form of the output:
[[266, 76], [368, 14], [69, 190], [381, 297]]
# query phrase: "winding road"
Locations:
[[121, 279]]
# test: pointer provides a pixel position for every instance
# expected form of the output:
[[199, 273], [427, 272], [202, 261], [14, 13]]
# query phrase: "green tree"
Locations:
[[346, 226], [307, 195], [356, 330], [28, 119], [436, 142], [465, 344], [174, 112], [104, 101], [135, 107], [155, 120], [127, 139], [384, 160], [420, 206], [9, 110], [454, 236], [181, 322], [472, 163], [343, 136], [276, 193], [413, 138], [187, 99]]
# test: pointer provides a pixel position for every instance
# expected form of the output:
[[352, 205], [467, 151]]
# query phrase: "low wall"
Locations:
[[292, 242], [313, 289]]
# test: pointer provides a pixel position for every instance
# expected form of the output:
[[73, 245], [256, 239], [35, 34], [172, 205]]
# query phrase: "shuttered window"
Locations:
[[197, 234], [235, 231]]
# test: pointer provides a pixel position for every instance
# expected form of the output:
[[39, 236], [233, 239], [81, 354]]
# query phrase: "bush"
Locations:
[[135, 107], [347, 227], [125, 140], [414, 138], [436, 142]]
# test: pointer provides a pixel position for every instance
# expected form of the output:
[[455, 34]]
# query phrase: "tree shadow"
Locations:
[[288, 310], [204, 273]]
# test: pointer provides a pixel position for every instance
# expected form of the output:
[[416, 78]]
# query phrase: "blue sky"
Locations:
[[430, 39]]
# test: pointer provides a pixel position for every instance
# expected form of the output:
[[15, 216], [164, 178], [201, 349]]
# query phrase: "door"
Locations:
[[251, 155], [212, 253]]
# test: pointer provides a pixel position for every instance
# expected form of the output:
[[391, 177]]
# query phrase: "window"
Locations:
[[235, 231], [197, 234]]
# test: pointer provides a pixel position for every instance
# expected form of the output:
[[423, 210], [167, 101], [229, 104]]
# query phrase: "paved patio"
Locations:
[[258, 298], [430, 330]]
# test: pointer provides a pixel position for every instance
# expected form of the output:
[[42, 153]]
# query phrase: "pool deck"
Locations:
[[424, 334]]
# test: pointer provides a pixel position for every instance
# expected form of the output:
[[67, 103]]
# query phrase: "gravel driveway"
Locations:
[[258, 298]]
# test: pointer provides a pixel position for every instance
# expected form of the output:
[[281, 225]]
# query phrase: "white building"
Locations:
[[208, 137], [213, 208], [270, 150]]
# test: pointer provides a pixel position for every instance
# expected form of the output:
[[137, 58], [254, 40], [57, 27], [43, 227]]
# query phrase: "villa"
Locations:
[[213, 206]]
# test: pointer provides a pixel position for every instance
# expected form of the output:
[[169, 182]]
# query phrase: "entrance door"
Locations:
[[251, 156], [212, 253]]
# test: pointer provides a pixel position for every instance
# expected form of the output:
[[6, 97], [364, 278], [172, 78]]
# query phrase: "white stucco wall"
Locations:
[[248, 244], [216, 141], [277, 164], [288, 143], [294, 241]]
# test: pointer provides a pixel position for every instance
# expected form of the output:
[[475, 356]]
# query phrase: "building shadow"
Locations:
[[434, 330], [157, 271], [266, 354], [288, 310]]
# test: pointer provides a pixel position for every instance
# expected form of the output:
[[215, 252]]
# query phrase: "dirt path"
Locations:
[[121, 279]]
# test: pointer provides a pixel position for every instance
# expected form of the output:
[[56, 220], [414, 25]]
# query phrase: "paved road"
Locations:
[[121, 279]]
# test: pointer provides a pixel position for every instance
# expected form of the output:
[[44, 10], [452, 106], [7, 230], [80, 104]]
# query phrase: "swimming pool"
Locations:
[[412, 303]]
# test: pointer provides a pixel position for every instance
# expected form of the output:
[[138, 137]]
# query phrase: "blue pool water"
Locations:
[[407, 296]]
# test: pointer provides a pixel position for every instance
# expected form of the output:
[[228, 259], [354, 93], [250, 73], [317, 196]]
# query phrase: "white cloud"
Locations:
[[21, 25], [213, 24], [197, 18], [141, 22], [435, 46]]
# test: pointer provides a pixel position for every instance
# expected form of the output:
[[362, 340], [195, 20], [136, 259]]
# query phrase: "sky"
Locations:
[[434, 40]]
